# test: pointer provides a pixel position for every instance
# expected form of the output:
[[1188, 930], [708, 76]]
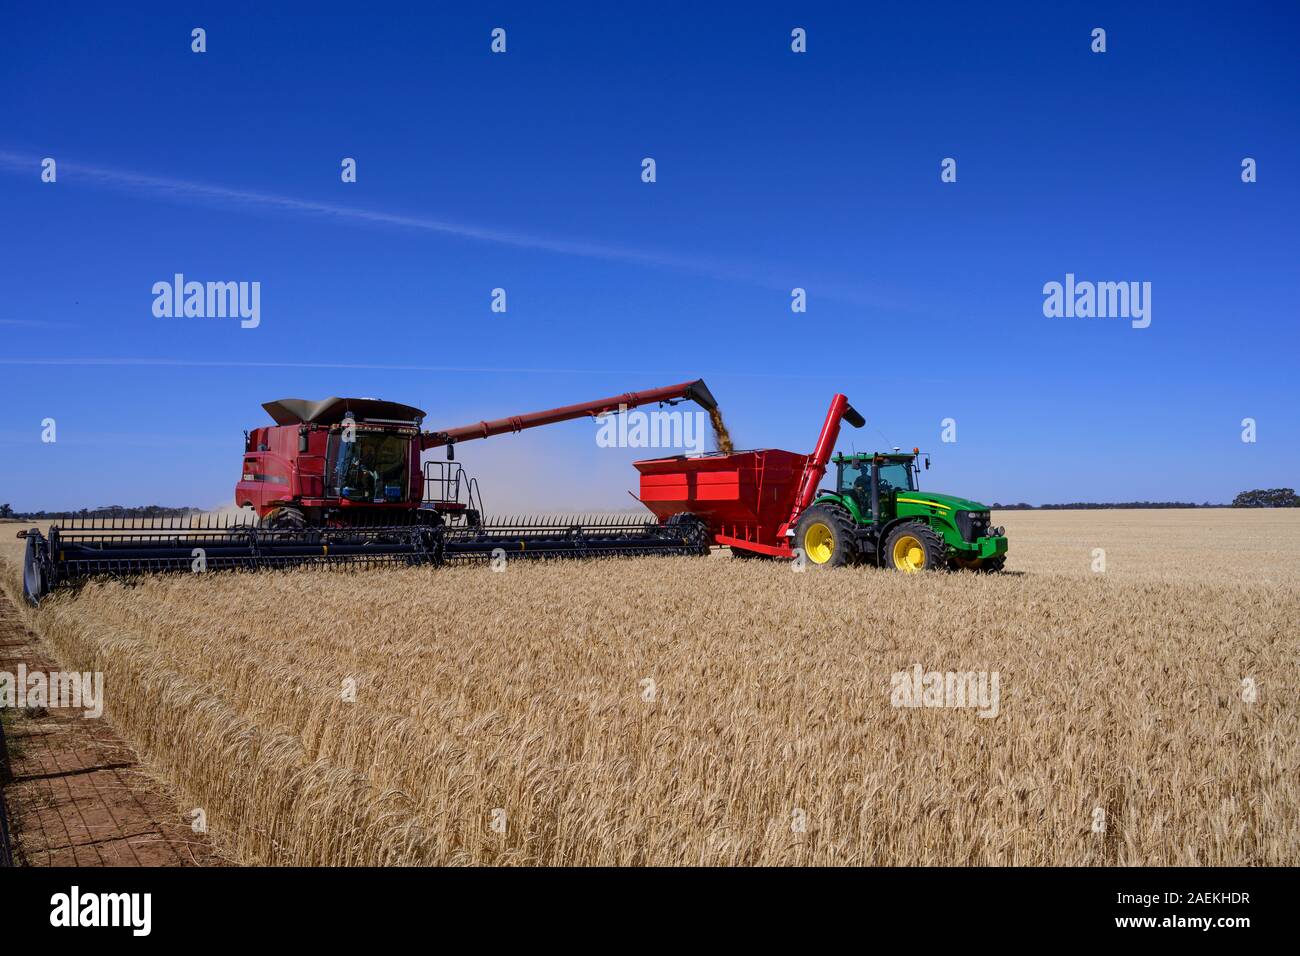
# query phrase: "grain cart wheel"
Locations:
[[915, 546], [695, 533], [825, 534]]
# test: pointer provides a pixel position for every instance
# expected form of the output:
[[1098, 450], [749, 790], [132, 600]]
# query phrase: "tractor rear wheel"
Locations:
[[825, 535], [915, 546]]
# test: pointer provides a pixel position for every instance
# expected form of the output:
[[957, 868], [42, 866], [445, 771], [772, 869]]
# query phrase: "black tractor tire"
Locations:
[[695, 534], [824, 534], [285, 518], [915, 546]]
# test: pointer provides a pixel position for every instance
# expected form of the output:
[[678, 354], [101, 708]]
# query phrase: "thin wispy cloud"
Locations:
[[189, 191], [135, 362], [36, 324]]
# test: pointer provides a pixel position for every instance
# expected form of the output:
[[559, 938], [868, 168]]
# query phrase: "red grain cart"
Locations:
[[748, 500]]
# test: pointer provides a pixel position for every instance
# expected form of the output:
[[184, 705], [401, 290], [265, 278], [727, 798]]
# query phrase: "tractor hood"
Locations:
[[948, 503]]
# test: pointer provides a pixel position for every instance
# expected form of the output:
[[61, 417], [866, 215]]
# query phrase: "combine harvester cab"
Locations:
[[768, 502], [305, 507]]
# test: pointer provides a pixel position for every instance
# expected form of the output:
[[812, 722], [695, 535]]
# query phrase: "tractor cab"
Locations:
[[873, 482]]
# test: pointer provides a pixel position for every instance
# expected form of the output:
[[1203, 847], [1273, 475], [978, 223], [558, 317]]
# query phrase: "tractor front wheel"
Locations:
[[914, 546], [825, 535]]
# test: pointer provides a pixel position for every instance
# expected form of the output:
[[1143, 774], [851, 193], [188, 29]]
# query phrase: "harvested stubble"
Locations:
[[524, 691]]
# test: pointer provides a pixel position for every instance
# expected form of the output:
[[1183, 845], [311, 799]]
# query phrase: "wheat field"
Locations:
[[701, 711]]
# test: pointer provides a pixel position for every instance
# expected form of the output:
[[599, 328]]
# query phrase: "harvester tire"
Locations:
[[285, 519], [35, 582], [695, 533], [915, 546], [824, 533]]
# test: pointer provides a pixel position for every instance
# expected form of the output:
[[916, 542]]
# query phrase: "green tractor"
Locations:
[[877, 513]]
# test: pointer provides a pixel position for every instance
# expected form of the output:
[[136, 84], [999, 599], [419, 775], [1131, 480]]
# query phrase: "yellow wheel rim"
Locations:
[[818, 543], [909, 554]]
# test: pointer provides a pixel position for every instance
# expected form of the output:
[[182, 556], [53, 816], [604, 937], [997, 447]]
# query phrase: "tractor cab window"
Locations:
[[371, 467], [855, 480], [896, 476]]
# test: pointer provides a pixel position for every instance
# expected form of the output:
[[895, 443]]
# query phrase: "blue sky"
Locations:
[[775, 170]]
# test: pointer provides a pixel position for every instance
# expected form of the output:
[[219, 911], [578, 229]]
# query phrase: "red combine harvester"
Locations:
[[346, 461], [339, 482]]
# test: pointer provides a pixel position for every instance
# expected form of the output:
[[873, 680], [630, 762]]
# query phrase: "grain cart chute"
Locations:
[[768, 502], [338, 482]]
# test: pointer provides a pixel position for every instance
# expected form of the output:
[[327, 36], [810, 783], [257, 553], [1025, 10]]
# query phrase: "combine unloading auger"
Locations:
[[79, 548]]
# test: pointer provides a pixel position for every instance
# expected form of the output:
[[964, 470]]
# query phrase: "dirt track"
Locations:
[[73, 790]]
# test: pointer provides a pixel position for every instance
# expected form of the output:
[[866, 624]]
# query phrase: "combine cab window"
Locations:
[[373, 467]]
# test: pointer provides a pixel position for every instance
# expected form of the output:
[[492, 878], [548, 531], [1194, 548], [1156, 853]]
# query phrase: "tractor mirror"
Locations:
[[451, 452], [302, 440], [927, 462]]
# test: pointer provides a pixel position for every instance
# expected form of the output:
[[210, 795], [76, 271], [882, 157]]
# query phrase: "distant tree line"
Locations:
[[104, 511], [1099, 505], [1261, 498], [1267, 498]]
